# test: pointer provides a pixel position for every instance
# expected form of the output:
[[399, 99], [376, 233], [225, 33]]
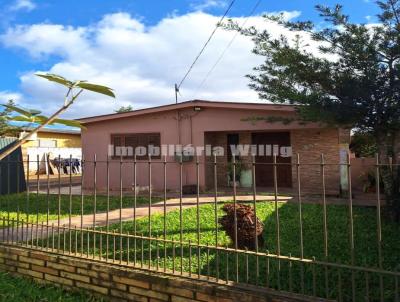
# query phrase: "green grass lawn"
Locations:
[[36, 206], [365, 238], [18, 289]]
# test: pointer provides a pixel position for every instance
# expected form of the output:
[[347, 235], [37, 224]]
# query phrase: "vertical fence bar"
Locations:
[[18, 205], [128, 239], [278, 240], [59, 202], [227, 264], [9, 191], [235, 220], [351, 230], [120, 206], [82, 200], [378, 220], [37, 192], [165, 212], [180, 211], [107, 206], [216, 215], [47, 162], [253, 180], [198, 212], [325, 223], [134, 207], [70, 203], [94, 198], [149, 213], [299, 199], [27, 191]]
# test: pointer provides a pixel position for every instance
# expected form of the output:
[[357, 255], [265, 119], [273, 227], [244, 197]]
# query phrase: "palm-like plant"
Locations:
[[33, 116], [74, 89]]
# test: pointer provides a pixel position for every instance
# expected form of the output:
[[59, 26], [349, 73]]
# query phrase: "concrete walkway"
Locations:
[[125, 214], [128, 214]]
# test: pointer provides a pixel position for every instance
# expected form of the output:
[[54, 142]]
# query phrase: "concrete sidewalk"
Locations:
[[125, 214]]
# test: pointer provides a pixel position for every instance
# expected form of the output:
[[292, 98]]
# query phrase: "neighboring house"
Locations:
[[51, 141], [201, 123]]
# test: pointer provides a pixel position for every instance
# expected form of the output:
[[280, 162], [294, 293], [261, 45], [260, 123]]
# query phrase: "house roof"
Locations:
[[54, 130], [5, 142], [188, 104]]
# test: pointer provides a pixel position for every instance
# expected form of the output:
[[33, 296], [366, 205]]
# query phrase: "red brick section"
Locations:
[[118, 283], [310, 144]]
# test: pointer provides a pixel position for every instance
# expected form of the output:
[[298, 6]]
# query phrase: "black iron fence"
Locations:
[[315, 244]]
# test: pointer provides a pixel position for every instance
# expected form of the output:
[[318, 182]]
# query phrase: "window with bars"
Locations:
[[133, 143]]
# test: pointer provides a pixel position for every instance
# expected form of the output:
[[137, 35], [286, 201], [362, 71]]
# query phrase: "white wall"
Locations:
[[33, 152]]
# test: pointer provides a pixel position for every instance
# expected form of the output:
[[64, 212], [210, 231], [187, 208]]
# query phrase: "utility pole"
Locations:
[[176, 93]]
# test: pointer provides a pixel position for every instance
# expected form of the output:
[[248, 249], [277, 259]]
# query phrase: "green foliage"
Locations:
[[78, 84], [363, 145], [352, 79], [338, 227], [5, 128], [32, 116], [18, 205], [19, 289], [124, 109]]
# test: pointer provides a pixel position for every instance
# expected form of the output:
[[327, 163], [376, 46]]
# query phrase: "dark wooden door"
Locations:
[[264, 170]]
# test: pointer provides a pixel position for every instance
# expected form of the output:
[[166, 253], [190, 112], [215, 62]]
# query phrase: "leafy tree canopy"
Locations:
[[124, 109], [5, 128], [354, 78], [351, 79]]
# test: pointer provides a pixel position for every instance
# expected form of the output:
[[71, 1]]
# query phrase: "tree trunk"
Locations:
[[389, 153]]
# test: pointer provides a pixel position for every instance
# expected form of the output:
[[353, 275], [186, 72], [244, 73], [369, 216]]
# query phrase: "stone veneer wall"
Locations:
[[118, 283]]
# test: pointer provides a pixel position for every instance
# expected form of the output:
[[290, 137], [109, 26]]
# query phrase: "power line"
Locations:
[[204, 47], [227, 47]]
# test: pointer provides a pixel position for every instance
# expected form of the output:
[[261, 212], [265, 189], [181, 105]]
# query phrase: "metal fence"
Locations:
[[313, 246]]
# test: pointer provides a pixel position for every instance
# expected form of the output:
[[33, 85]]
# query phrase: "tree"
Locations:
[[353, 80], [5, 128], [35, 116], [124, 109], [363, 144]]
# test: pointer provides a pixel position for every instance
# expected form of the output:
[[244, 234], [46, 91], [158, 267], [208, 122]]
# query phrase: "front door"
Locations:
[[264, 167]]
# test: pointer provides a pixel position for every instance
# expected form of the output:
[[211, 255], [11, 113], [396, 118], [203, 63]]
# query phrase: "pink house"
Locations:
[[207, 125]]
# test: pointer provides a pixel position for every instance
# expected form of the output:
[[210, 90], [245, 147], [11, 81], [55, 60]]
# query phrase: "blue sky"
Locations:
[[65, 36]]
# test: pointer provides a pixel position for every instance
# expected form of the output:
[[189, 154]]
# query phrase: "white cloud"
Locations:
[[27, 5], [140, 62], [207, 4], [9, 95]]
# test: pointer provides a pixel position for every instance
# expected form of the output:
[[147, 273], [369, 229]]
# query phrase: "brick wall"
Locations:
[[119, 283], [310, 144]]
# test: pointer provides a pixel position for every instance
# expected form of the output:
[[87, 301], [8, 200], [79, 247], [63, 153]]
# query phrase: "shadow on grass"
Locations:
[[288, 275]]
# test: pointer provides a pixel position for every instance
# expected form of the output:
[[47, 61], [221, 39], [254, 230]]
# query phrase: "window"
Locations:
[[129, 144], [48, 143]]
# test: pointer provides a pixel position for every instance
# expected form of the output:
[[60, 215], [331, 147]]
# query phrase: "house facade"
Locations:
[[202, 125]]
